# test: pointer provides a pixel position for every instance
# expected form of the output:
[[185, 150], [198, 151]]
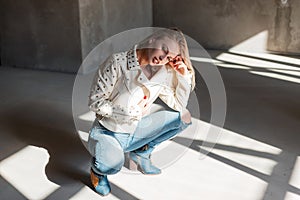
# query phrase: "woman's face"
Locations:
[[161, 51]]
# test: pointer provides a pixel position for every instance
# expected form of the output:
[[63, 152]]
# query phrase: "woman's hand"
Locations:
[[178, 65], [186, 116]]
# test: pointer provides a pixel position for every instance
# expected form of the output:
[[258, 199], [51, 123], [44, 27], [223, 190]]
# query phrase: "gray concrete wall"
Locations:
[[41, 34], [284, 35], [57, 34], [221, 24], [100, 19]]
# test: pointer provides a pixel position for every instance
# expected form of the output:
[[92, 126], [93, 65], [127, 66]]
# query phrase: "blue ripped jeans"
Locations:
[[108, 148]]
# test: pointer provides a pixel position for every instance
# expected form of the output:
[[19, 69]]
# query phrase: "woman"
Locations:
[[122, 94]]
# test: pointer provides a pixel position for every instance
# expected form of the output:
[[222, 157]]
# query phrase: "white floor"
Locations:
[[257, 155]]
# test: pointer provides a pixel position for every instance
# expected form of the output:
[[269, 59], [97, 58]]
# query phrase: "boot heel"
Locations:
[[132, 165], [143, 164]]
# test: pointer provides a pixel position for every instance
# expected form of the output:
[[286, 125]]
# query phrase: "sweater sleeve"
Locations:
[[176, 95]]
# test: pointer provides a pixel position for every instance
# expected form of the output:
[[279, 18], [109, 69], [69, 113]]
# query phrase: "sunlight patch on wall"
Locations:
[[256, 46], [256, 43], [25, 170]]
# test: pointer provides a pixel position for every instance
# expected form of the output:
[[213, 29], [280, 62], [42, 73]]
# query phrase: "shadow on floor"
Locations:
[[278, 181], [50, 126]]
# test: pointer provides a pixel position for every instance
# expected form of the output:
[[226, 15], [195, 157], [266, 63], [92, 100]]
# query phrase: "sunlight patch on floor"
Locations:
[[252, 53], [88, 116], [295, 178], [205, 60], [291, 196], [83, 135], [239, 148], [25, 170], [192, 178], [256, 46], [268, 56], [253, 62], [88, 193], [232, 66], [293, 73], [233, 139], [219, 63], [204, 176], [277, 76]]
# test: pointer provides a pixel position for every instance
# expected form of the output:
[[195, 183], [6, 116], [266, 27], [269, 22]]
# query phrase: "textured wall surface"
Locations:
[[284, 35], [100, 19], [57, 35], [41, 34], [222, 24]]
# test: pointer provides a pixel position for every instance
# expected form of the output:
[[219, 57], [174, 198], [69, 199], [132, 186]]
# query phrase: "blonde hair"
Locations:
[[176, 35]]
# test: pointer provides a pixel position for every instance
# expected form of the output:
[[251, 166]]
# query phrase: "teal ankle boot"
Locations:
[[141, 158], [100, 183]]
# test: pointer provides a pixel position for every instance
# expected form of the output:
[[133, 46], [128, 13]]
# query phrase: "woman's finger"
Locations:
[[180, 67]]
